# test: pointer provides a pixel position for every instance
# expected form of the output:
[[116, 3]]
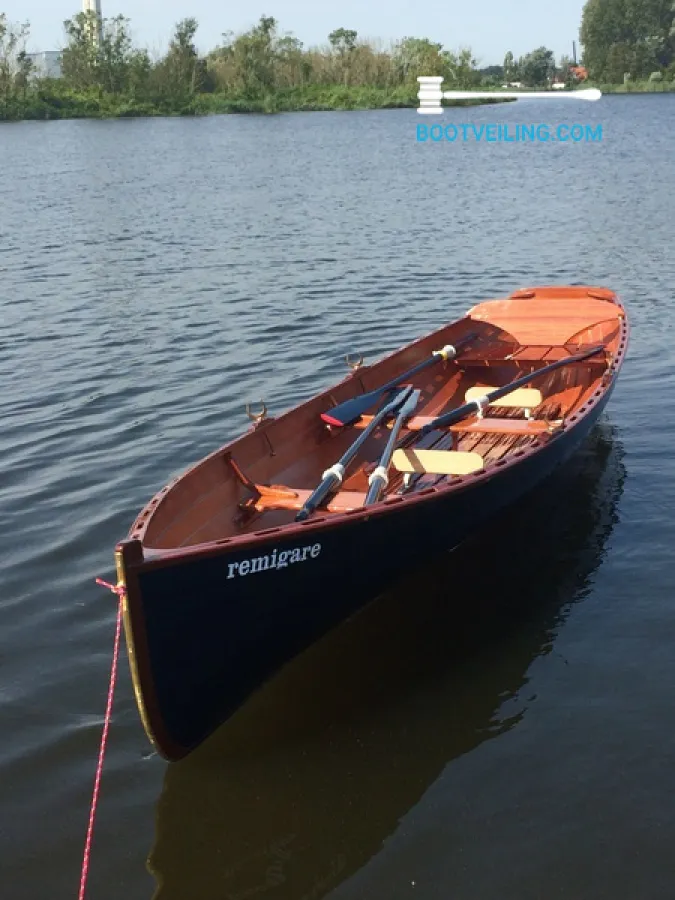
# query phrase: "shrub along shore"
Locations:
[[637, 87], [53, 102], [261, 71], [265, 71]]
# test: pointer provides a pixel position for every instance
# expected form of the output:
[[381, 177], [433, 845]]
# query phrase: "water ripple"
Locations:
[[161, 273]]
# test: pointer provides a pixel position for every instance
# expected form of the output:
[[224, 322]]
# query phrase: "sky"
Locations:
[[488, 27]]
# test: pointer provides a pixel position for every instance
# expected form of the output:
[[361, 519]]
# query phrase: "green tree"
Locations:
[[100, 54], [180, 75], [248, 64], [510, 68], [15, 65], [25, 69], [181, 60], [492, 75], [139, 73], [537, 68], [414, 57], [289, 63], [461, 68], [627, 35], [115, 55], [79, 59], [343, 40]]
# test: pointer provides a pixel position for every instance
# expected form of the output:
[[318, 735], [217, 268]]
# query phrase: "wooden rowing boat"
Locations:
[[248, 557]]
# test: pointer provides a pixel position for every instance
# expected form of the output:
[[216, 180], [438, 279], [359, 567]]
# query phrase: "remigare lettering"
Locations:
[[273, 560]]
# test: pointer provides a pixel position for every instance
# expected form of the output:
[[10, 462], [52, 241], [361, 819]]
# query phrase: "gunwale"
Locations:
[[155, 556]]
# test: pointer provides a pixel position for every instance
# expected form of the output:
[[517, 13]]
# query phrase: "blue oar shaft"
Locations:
[[351, 410], [332, 478], [380, 477], [473, 406]]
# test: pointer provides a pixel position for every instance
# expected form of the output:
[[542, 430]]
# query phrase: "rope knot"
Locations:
[[117, 589]]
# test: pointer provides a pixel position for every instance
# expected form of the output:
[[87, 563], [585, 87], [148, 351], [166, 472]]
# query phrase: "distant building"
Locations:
[[46, 64]]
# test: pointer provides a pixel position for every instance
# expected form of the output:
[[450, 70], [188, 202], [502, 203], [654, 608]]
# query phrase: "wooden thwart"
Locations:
[[522, 398], [436, 462]]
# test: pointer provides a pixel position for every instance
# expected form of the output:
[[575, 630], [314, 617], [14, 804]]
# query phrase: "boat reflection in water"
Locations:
[[304, 784]]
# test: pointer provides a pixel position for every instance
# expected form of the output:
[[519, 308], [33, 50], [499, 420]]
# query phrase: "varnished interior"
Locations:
[[260, 480]]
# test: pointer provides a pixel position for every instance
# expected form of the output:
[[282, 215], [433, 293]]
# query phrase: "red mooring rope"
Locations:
[[119, 591]]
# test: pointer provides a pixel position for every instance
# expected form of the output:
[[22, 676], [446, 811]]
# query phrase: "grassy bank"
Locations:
[[636, 87], [55, 101]]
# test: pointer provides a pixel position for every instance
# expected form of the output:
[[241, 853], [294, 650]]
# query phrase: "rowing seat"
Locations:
[[522, 398], [436, 462]]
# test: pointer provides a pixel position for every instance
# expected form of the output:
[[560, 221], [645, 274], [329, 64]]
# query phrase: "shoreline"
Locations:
[[54, 105], [53, 100], [667, 87], [204, 115]]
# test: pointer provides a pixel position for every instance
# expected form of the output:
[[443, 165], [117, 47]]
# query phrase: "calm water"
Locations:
[[498, 726]]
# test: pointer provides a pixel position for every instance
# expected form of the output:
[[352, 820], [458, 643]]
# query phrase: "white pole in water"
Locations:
[[94, 6]]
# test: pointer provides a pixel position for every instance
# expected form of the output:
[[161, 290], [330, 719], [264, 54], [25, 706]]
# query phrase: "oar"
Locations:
[[479, 403], [455, 415], [348, 412], [332, 478], [380, 478]]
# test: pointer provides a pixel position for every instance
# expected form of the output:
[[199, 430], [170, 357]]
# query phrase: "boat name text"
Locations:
[[273, 561]]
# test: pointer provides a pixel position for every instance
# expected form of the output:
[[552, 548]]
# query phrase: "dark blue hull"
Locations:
[[206, 630]]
